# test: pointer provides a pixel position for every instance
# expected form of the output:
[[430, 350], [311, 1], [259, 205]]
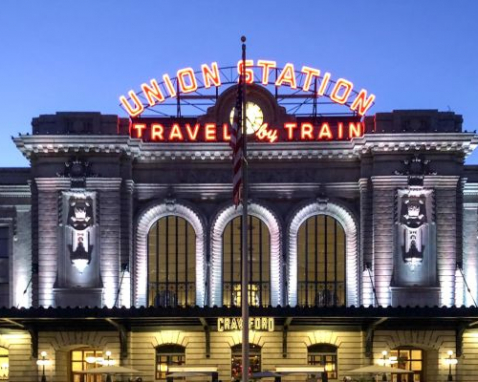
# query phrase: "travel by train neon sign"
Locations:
[[266, 72]]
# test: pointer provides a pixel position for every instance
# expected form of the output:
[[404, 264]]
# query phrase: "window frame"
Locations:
[[236, 359], [259, 288], [168, 351], [84, 377], [323, 251], [323, 351], [172, 292], [409, 362]]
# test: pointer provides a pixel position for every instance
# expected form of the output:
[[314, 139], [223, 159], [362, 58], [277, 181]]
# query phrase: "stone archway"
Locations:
[[222, 219], [144, 222], [345, 218]]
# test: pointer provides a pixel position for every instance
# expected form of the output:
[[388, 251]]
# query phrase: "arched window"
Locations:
[[168, 355], [4, 364], [85, 359], [321, 262], [236, 360], [408, 358], [258, 258], [172, 263], [324, 355]]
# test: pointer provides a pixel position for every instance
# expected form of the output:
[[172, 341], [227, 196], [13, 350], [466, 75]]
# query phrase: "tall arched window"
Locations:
[[408, 358], [258, 258], [171, 263], [321, 262], [236, 360]]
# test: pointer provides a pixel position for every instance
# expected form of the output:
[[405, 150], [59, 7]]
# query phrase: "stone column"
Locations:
[[125, 297], [470, 247], [366, 241], [45, 238], [446, 219], [384, 191], [21, 293], [109, 201]]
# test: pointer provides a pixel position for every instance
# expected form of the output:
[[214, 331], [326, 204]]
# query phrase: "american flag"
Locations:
[[236, 144]]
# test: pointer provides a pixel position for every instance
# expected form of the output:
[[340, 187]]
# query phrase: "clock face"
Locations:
[[254, 117]]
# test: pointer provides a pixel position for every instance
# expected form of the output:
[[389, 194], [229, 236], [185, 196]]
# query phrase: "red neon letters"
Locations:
[[153, 131]]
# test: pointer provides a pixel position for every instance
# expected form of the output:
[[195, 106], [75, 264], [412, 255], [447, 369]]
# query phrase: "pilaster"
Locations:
[[366, 240], [383, 220], [109, 196], [446, 221], [45, 238]]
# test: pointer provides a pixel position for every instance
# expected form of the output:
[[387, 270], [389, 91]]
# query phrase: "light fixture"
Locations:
[[101, 360], [108, 361], [450, 361], [43, 362]]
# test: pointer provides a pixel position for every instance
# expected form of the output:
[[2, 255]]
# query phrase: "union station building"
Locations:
[[121, 241]]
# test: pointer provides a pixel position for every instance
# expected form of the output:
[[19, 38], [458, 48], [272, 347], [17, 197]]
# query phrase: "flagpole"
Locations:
[[245, 263]]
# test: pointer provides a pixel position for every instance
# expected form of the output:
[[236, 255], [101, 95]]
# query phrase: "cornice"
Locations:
[[437, 181], [31, 145], [103, 184], [389, 181], [214, 188], [458, 142], [52, 184], [15, 191], [470, 189]]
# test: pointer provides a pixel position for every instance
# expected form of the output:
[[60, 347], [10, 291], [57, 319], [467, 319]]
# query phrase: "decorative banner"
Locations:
[[262, 324], [166, 130], [309, 80]]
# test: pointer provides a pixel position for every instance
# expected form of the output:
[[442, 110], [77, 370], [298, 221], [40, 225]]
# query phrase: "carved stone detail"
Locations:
[[416, 167]]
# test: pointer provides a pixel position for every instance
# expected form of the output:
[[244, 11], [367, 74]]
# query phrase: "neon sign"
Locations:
[[340, 91], [265, 324], [163, 130]]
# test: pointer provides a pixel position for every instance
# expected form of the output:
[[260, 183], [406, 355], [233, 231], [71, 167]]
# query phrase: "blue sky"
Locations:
[[64, 55]]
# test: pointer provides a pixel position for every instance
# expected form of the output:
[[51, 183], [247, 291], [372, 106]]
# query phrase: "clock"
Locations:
[[254, 117]]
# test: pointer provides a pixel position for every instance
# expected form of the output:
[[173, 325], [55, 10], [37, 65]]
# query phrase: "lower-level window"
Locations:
[[324, 355], [85, 359], [236, 360], [168, 355], [409, 359], [3, 364]]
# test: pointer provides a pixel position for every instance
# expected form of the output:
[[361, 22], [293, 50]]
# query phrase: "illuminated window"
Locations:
[[321, 262], [168, 355], [3, 364], [236, 360], [408, 358], [324, 355], [4, 266], [172, 263], [85, 359], [259, 261]]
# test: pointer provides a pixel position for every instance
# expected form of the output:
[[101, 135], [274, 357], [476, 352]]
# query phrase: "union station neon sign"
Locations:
[[187, 81], [310, 82]]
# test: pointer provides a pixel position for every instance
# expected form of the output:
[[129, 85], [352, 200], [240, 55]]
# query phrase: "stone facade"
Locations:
[[363, 183]]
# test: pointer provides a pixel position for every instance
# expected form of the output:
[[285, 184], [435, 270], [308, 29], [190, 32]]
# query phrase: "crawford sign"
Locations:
[[264, 324], [307, 79]]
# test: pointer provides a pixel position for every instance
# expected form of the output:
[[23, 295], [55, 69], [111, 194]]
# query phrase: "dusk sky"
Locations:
[[60, 55]]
